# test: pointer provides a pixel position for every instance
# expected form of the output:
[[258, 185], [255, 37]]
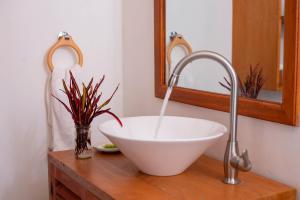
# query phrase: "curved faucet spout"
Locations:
[[232, 152], [229, 69]]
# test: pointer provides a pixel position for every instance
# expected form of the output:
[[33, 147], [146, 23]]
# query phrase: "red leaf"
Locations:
[[73, 82], [116, 117], [110, 113], [67, 108], [108, 100]]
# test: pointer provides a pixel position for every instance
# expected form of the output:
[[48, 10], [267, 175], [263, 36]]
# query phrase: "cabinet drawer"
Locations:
[[69, 183], [64, 193], [65, 188]]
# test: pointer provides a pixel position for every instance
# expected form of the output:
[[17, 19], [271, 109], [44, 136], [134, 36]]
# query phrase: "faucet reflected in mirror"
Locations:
[[233, 160]]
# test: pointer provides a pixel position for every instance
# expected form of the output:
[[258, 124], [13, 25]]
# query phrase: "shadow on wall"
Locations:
[[28, 162]]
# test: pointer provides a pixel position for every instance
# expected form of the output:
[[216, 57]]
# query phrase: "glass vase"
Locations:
[[83, 147]]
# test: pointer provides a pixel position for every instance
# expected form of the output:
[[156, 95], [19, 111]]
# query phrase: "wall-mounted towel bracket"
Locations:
[[64, 40], [177, 40], [64, 35]]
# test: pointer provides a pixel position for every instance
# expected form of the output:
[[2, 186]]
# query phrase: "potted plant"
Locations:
[[84, 106]]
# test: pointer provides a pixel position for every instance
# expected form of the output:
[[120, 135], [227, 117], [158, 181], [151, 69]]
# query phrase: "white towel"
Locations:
[[60, 122]]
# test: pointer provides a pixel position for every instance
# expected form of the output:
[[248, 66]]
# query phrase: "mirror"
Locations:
[[259, 38], [250, 33]]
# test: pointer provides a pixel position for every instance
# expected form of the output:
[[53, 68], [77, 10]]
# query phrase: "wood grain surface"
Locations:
[[115, 177], [256, 39]]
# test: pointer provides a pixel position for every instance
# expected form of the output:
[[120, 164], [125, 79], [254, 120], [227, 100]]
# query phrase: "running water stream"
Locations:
[[163, 110]]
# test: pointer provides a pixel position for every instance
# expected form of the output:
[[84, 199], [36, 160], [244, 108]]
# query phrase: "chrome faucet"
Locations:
[[233, 161]]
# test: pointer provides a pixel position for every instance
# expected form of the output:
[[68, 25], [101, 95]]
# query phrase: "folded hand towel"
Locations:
[[61, 125]]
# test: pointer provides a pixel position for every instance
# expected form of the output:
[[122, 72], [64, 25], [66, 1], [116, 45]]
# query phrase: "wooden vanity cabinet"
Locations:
[[106, 177], [63, 187]]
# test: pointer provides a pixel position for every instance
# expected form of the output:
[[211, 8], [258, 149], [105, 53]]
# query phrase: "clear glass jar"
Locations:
[[83, 147]]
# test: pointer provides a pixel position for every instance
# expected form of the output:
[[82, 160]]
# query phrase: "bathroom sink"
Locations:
[[179, 142]]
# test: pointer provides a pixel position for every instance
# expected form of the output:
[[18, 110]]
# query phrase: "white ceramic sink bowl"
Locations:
[[179, 143]]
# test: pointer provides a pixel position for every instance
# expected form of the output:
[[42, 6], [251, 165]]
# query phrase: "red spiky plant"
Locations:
[[85, 105], [252, 84]]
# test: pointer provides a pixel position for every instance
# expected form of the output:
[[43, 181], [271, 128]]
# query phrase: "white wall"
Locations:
[[28, 29], [274, 149]]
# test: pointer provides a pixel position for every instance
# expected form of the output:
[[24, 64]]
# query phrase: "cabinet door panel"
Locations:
[[257, 39]]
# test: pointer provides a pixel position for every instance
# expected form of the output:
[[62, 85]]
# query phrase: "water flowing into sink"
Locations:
[[163, 110]]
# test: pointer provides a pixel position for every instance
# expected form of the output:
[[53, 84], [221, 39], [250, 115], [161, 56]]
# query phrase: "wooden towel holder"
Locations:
[[177, 40], [64, 40]]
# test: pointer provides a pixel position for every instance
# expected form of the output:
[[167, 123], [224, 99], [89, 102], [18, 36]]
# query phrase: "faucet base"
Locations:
[[231, 181]]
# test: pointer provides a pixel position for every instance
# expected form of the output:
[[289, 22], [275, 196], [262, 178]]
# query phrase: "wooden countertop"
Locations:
[[115, 177]]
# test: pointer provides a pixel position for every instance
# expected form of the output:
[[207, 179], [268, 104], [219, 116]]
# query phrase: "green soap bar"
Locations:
[[110, 146]]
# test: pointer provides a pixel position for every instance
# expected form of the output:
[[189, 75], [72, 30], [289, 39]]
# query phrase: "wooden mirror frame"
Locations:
[[286, 112]]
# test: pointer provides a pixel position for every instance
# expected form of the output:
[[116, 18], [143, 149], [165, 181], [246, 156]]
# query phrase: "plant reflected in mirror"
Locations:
[[252, 84]]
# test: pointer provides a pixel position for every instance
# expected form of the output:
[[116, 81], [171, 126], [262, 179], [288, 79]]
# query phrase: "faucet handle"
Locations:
[[242, 162], [247, 162]]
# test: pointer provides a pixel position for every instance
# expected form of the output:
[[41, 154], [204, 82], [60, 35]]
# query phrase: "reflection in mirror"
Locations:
[[249, 33]]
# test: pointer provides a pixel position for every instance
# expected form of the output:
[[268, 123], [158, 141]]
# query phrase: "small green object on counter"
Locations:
[[109, 146]]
